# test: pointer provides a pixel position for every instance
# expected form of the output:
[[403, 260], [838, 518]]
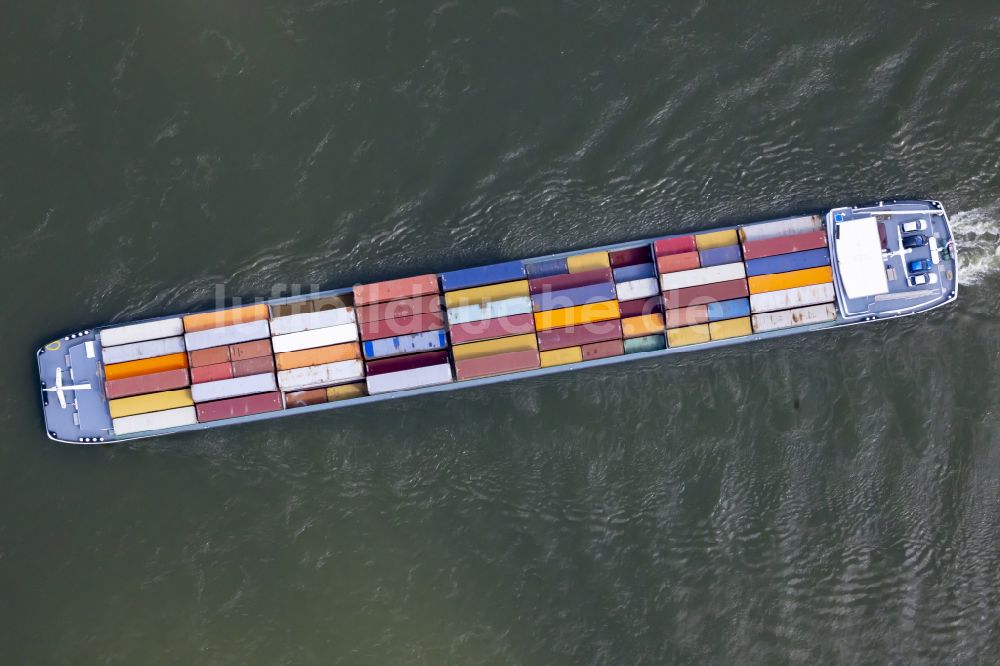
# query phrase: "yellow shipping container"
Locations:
[[777, 281], [730, 328], [716, 239], [561, 356], [346, 392], [588, 262], [146, 366], [634, 327], [481, 295], [206, 320], [689, 335], [580, 314], [151, 402], [499, 346]]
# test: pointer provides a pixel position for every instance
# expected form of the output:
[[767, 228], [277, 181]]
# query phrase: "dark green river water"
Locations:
[[829, 499]]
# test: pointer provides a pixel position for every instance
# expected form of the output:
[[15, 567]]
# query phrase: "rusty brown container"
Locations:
[[488, 329], [676, 245], [602, 349], [167, 380], [209, 356], [640, 306], [378, 292], [497, 364], [405, 307], [630, 257], [388, 328], [552, 283], [671, 263], [211, 373], [253, 366], [242, 406], [689, 316], [581, 334], [706, 293], [252, 349]]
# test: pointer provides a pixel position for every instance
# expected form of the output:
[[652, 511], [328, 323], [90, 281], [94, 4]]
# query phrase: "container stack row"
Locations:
[[404, 342], [639, 303], [788, 273], [316, 350], [704, 287], [146, 376], [489, 320], [232, 367]]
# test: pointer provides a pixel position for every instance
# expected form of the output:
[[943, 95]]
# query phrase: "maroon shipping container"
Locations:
[[406, 307], [569, 280], [242, 406], [408, 362], [602, 349], [487, 329], [497, 364], [689, 316], [209, 356], [167, 380], [253, 366], [305, 398], [630, 257], [675, 245], [253, 349], [391, 290], [685, 261], [390, 328], [583, 334], [640, 306], [211, 373], [769, 247], [705, 293]]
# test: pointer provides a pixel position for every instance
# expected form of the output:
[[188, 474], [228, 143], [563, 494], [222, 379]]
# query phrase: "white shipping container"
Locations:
[[227, 335], [138, 350], [410, 379], [317, 337], [814, 314], [481, 311], [326, 374], [798, 297], [230, 388], [169, 418], [308, 321], [790, 227], [633, 289], [148, 330], [707, 275]]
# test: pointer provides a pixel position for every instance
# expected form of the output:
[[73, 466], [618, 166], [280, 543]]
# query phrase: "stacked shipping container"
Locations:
[[639, 304], [402, 327], [788, 273]]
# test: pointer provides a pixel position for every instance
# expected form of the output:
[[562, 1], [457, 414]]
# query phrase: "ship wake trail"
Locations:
[[977, 235]]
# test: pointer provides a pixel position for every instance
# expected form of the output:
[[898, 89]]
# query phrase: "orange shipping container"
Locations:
[[580, 314], [206, 320], [633, 327], [317, 356], [146, 366], [210, 356], [777, 281]]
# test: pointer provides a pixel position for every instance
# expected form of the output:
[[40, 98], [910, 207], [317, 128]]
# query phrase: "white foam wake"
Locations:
[[977, 236]]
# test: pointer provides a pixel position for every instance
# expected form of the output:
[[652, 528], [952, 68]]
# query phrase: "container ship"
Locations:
[[440, 332]]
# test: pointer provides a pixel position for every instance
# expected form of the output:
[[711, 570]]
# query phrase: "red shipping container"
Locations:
[[770, 247], [574, 336], [408, 362], [497, 364], [602, 349], [391, 290], [689, 316], [305, 398], [640, 306], [242, 406], [253, 366], [209, 356], [487, 329], [676, 245], [569, 280], [405, 307], [253, 349], [167, 380], [705, 293], [211, 373], [630, 257], [671, 263], [389, 328]]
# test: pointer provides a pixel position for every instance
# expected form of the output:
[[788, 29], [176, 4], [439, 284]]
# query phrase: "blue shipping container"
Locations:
[[717, 256], [546, 268], [405, 344], [636, 272], [783, 263], [481, 275], [738, 307], [567, 298]]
